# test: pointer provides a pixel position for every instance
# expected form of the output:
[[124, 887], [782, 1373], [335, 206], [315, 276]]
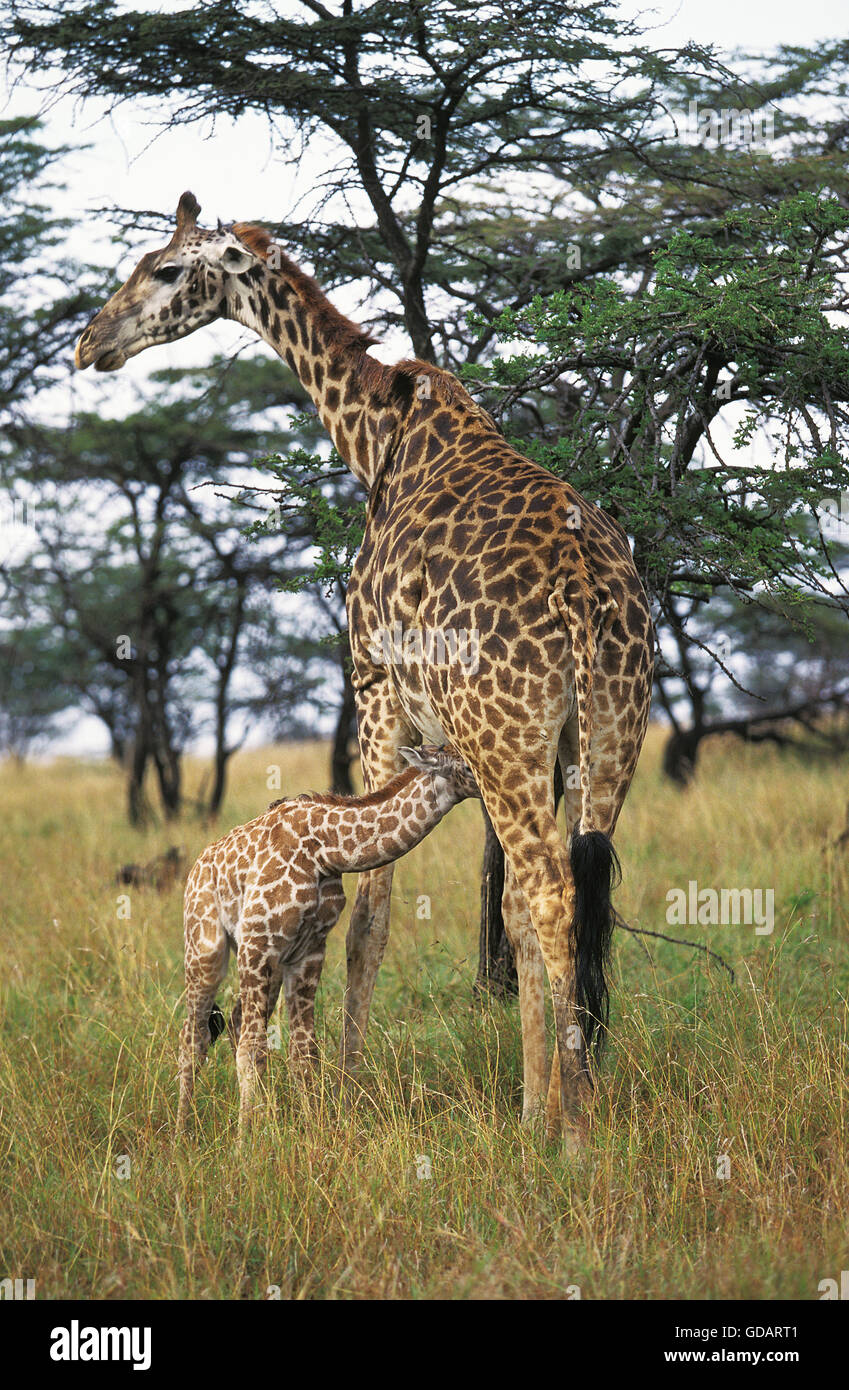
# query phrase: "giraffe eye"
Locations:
[[167, 273]]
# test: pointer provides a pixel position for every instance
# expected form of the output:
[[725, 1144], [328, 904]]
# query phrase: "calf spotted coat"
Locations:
[[271, 891]]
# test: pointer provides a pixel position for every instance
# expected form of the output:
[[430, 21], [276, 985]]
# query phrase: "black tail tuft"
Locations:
[[595, 869], [217, 1024]]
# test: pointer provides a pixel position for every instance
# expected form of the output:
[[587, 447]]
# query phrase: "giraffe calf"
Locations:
[[272, 889]]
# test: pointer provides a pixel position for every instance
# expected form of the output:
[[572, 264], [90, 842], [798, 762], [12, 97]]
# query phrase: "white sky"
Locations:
[[232, 170]]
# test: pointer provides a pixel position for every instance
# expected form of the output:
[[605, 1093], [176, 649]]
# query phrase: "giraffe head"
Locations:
[[446, 765], [169, 294]]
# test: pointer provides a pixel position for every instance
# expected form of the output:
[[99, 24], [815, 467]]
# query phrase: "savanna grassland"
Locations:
[[99, 1201]]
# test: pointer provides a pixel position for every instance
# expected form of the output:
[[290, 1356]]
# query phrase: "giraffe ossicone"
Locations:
[[271, 890], [462, 534]]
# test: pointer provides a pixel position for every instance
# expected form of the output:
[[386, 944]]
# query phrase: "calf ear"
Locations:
[[416, 758]]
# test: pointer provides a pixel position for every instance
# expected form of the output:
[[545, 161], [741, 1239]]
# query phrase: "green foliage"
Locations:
[[652, 272], [45, 298], [33, 688], [313, 491], [744, 314], [422, 102]]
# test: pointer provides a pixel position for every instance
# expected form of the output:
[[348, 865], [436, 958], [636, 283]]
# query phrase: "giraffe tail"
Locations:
[[217, 1024], [595, 870], [593, 860]]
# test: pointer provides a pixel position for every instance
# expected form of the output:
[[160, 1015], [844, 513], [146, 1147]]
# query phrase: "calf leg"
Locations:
[[252, 1049], [300, 979], [207, 955]]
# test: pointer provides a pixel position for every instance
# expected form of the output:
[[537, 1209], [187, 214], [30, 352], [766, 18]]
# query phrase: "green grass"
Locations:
[[326, 1207]]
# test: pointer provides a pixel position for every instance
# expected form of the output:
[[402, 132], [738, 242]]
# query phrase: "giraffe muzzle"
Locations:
[[90, 352]]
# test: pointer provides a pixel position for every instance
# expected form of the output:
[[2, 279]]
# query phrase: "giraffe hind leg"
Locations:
[[531, 972], [252, 1050], [567, 756], [528, 831]]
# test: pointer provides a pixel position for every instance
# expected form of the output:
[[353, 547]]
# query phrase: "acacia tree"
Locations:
[[158, 604], [791, 689], [743, 322], [490, 165], [420, 100], [45, 297], [33, 693]]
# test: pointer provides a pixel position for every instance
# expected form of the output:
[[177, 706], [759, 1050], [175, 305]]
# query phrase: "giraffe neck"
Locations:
[[359, 401], [388, 824]]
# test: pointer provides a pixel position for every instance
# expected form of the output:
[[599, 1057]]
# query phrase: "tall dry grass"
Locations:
[[431, 1188]]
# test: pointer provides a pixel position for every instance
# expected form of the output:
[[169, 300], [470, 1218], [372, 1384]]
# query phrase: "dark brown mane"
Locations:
[[257, 239], [339, 333], [396, 385], [400, 780]]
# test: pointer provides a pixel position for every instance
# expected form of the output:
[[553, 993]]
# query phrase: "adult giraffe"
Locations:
[[462, 534]]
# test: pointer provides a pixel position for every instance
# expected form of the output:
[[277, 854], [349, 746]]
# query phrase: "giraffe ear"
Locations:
[[416, 758], [188, 211], [228, 256]]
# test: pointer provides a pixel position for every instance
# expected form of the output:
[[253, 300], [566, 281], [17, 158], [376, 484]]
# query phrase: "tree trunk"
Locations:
[[219, 782], [226, 666], [166, 760], [680, 754], [170, 782], [138, 809]]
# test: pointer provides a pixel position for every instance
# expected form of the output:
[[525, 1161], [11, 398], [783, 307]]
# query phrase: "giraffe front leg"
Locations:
[[300, 984], [368, 933], [383, 729]]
